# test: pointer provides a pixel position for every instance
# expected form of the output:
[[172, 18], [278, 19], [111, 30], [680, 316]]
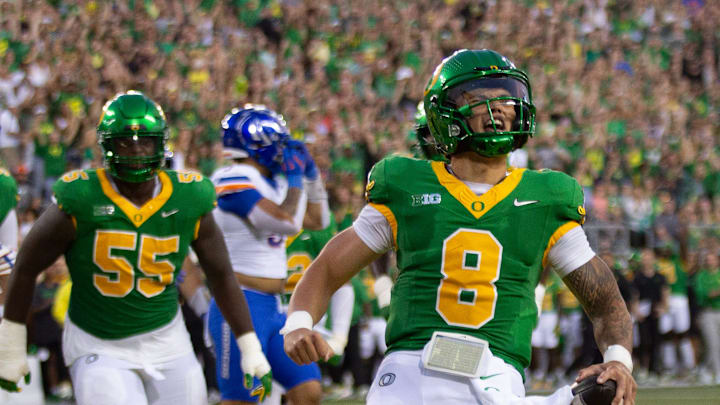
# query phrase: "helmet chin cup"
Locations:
[[130, 175]]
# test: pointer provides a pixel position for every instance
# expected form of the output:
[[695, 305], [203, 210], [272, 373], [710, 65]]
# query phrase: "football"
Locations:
[[589, 392]]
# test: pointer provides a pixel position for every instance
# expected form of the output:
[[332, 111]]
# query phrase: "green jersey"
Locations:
[[550, 298], [53, 156], [302, 249], [361, 298], [676, 277], [566, 300], [467, 263], [706, 282], [124, 259], [8, 194], [369, 292]]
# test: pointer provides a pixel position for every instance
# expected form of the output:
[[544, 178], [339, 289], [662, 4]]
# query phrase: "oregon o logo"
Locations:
[[386, 379], [477, 206]]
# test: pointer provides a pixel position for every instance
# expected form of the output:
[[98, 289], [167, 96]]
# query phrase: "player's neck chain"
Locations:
[[450, 170]]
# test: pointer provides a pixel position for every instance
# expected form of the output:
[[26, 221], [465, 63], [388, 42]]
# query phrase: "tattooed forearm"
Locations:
[[595, 287]]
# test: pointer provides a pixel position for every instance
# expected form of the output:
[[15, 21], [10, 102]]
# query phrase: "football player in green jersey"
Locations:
[[472, 238], [8, 229], [8, 239], [124, 231]]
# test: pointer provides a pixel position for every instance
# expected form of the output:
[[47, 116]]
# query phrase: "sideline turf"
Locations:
[[705, 395]]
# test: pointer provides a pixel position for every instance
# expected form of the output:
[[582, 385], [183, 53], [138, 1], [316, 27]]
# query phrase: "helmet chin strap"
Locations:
[[157, 186]]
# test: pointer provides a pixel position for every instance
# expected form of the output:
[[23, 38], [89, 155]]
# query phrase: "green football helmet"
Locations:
[[483, 87], [425, 147], [126, 118]]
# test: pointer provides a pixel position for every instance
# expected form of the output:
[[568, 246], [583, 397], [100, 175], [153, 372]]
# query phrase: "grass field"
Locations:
[[647, 396]]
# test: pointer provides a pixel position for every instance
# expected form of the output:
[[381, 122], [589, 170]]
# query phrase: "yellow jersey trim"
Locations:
[[196, 232], [477, 205], [388, 214], [291, 239], [234, 187], [137, 216], [562, 230]]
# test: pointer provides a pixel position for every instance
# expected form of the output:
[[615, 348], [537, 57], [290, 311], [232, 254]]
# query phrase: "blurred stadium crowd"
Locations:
[[628, 95]]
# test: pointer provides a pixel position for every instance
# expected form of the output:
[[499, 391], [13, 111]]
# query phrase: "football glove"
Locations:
[[311, 171], [13, 355], [294, 159], [254, 364], [7, 260]]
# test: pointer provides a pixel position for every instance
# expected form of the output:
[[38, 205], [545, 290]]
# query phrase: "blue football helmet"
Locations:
[[256, 132]]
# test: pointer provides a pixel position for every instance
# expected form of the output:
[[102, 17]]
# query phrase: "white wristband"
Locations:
[[249, 343], [297, 320], [315, 190], [618, 353]]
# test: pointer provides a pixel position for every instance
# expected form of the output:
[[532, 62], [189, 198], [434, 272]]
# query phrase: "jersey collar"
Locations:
[[137, 215], [477, 205]]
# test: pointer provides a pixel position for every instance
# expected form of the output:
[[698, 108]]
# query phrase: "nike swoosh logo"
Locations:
[[166, 214], [485, 377], [521, 203]]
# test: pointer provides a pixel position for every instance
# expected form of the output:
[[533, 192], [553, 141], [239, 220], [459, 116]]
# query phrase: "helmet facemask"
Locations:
[[132, 133], [479, 100], [130, 167], [491, 115]]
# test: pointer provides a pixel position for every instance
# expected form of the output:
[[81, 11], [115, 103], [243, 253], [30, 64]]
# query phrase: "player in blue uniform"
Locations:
[[270, 189]]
